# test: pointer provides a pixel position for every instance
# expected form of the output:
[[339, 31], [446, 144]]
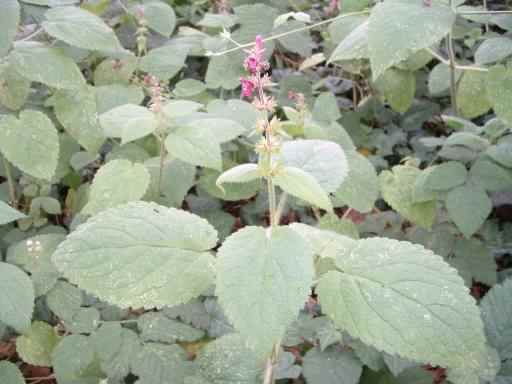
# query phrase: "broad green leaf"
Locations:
[[164, 62], [360, 189], [160, 17], [14, 88], [490, 175], [76, 111], [81, 29], [84, 320], [331, 367], [217, 20], [229, 360], [35, 132], [178, 108], [115, 71], [162, 364], [398, 88], [472, 98], [397, 364], [36, 346], [116, 347], [238, 110], [286, 367], [398, 28], [263, 279], [397, 188], [493, 49], [439, 79], [64, 300], [175, 265], [446, 176], [225, 71], [303, 185], [495, 307], [332, 222], [10, 373], [116, 183], [403, 299], [326, 108], [9, 19], [468, 207], [74, 361], [177, 179], [299, 42], [157, 327], [501, 153], [240, 174], [9, 214], [129, 122], [49, 66], [499, 91], [474, 260], [229, 191], [115, 95], [354, 46], [324, 160], [34, 256], [16, 297]]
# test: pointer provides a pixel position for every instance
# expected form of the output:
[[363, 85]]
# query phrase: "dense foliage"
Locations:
[[234, 191]]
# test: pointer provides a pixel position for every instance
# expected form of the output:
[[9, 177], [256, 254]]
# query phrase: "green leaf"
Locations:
[[35, 132], [84, 320], [129, 122], [401, 298], [82, 368], [81, 29], [501, 153], [354, 46], [103, 255], [229, 191], [162, 364], [332, 222], [9, 373], [474, 260], [361, 187], [64, 300], [468, 206], [16, 297], [490, 175], [105, 189], [9, 214], [439, 79], [115, 95], [398, 88], [493, 49], [240, 174], [178, 108], [157, 327], [160, 17], [397, 188], [446, 176], [298, 42], [324, 160], [472, 98], [499, 91], [9, 19], [331, 367], [303, 185], [326, 108], [49, 66], [263, 279], [164, 62], [34, 255], [76, 111], [36, 346], [398, 28], [495, 307], [14, 88], [115, 347], [229, 360]]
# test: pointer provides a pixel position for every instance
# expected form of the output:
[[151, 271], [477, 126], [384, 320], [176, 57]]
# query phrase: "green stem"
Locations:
[[272, 207], [484, 12], [10, 182], [161, 169]]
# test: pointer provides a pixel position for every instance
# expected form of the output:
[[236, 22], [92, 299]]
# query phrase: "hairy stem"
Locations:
[[161, 169], [10, 182]]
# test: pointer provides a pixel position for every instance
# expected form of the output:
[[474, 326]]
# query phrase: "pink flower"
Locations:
[[247, 87], [255, 61]]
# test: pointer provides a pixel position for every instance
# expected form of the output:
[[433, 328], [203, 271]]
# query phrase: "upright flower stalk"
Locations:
[[254, 86], [268, 148]]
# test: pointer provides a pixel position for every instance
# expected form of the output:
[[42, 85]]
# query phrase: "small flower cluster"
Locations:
[[257, 66], [156, 93]]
